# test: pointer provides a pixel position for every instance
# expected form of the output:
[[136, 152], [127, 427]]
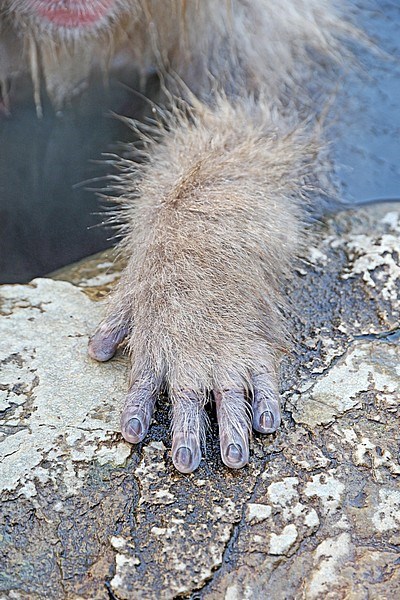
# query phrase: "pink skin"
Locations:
[[72, 14]]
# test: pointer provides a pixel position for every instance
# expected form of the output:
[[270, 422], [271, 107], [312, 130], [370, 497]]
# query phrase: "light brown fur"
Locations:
[[213, 217]]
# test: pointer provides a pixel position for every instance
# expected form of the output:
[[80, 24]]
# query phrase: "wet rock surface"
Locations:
[[315, 514]]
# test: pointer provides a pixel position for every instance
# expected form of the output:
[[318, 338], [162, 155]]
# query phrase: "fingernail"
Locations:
[[183, 457], [234, 453], [267, 420], [134, 427]]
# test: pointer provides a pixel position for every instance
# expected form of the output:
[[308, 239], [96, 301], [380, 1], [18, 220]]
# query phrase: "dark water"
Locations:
[[46, 221]]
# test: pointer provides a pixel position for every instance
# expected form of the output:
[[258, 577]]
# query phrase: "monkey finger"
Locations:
[[234, 427], [188, 419], [138, 410], [104, 342], [266, 405]]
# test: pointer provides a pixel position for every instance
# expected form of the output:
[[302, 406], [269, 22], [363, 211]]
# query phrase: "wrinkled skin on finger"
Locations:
[[138, 411], [235, 414], [265, 404], [234, 427], [188, 418], [104, 343]]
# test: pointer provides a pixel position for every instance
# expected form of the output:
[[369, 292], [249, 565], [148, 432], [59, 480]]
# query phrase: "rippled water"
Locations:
[[366, 140], [46, 221]]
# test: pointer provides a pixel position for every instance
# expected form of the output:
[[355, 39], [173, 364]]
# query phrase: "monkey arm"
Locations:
[[214, 213], [213, 224]]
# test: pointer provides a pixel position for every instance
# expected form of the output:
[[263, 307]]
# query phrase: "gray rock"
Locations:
[[315, 514]]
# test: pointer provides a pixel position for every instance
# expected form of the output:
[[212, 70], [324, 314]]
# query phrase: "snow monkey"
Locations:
[[213, 211]]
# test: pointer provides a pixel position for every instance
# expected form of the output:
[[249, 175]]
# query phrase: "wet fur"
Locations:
[[213, 217]]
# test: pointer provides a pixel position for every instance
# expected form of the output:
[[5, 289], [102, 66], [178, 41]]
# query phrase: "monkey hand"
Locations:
[[200, 301], [199, 337]]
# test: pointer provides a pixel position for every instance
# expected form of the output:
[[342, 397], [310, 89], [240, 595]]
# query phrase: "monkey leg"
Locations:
[[213, 226]]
